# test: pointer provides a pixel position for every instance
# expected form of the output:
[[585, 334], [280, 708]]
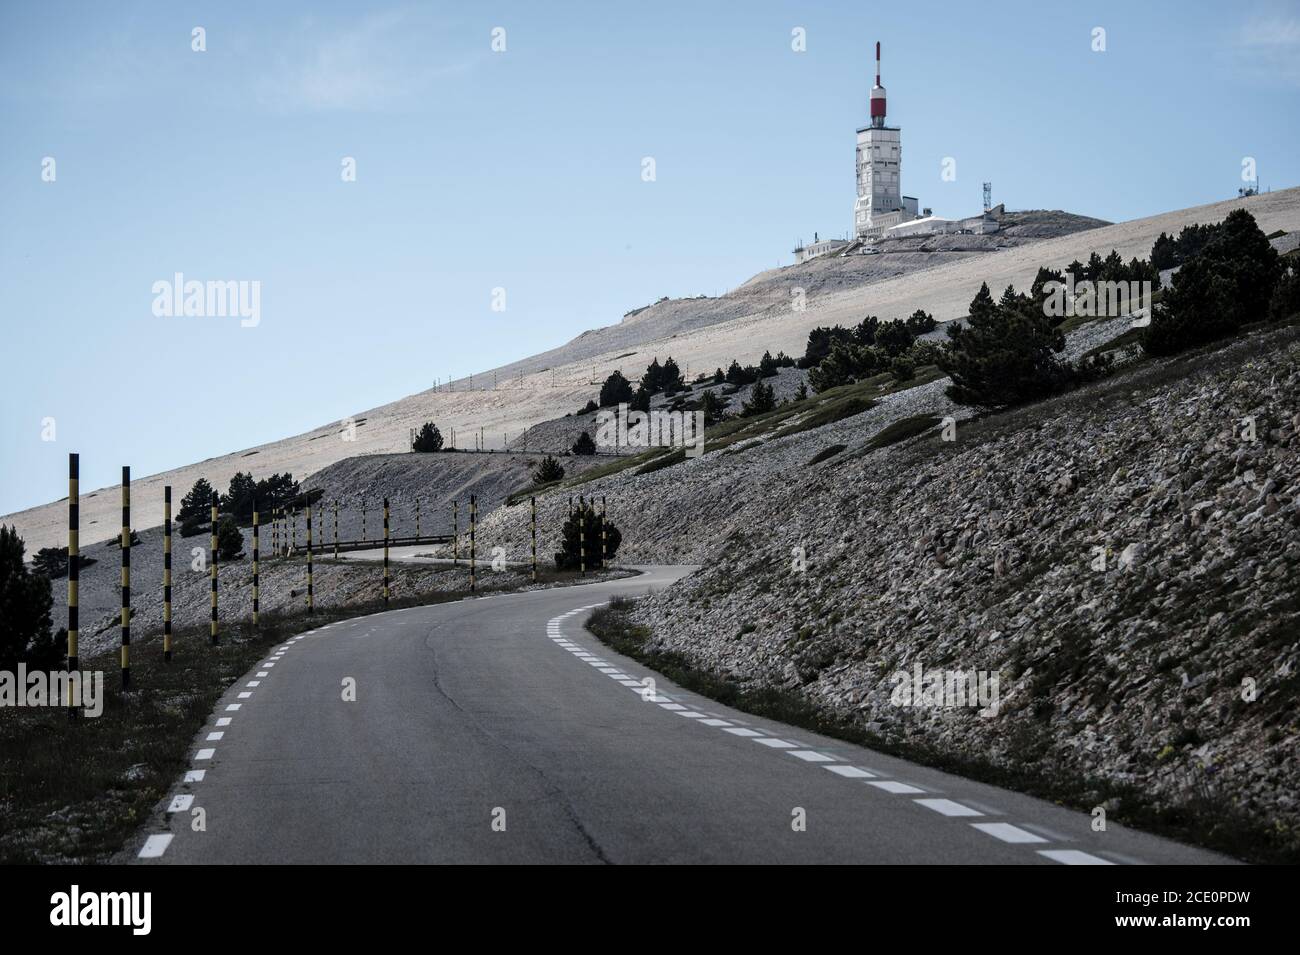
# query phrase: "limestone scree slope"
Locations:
[[701, 334]]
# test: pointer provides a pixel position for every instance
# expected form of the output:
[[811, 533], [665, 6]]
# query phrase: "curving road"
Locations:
[[498, 730]]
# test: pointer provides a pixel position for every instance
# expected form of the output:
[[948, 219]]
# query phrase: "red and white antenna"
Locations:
[[877, 95]]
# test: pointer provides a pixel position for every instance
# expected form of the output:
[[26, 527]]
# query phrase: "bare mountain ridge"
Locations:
[[769, 293], [546, 386]]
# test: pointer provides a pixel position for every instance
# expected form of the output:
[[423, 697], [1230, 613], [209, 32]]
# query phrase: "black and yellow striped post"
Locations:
[[126, 577], [534, 526], [570, 505], [417, 520], [582, 537], [473, 529], [167, 574], [385, 552], [212, 571], [363, 519], [275, 532], [311, 596], [336, 528], [604, 554], [74, 574], [455, 533], [255, 556], [293, 547]]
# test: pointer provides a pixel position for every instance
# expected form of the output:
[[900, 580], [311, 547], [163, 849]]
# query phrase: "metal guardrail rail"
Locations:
[[326, 548]]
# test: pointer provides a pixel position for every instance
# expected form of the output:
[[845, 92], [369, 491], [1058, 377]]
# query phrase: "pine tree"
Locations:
[[902, 368], [864, 333], [712, 406], [921, 322], [640, 401], [583, 526], [1006, 354], [670, 378], [762, 399], [279, 490], [1286, 295], [428, 439], [895, 338], [740, 376], [1092, 271], [653, 379], [615, 391], [196, 506], [1225, 285], [584, 445], [238, 500], [548, 472], [982, 304], [230, 542], [25, 605]]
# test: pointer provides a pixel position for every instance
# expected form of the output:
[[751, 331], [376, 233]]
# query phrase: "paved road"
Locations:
[[503, 710]]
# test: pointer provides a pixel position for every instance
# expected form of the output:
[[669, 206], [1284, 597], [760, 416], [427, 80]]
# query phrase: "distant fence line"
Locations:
[[284, 545]]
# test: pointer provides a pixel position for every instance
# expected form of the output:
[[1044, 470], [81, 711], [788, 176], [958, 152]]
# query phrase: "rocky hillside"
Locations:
[[545, 386], [1125, 686], [435, 479]]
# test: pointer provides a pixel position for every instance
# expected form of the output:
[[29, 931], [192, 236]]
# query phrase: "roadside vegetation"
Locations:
[[428, 439], [279, 491], [585, 537], [25, 610]]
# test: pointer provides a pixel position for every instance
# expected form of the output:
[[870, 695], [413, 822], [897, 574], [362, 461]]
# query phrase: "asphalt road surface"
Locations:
[[498, 730]]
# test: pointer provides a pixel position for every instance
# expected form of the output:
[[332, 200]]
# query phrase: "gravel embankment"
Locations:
[[978, 555]]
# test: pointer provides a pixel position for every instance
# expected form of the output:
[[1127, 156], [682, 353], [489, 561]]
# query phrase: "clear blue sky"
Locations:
[[522, 170]]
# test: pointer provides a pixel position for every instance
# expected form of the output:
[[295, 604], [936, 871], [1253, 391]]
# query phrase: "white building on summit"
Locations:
[[881, 211], [880, 203]]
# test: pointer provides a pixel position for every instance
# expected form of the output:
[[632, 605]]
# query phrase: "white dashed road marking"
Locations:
[[155, 846], [1002, 831], [1072, 857], [852, 772], [181, 803], [891, 786], [1007, 832], [812, 756], [947, 807]]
